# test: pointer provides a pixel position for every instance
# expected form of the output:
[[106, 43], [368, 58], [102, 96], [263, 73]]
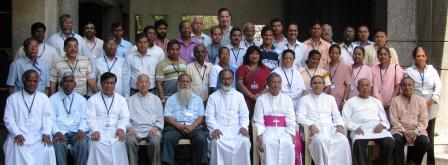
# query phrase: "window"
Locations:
[[209, 21]]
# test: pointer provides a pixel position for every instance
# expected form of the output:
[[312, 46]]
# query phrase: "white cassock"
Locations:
[[31, 125], [108, 150], [227, 111], [275, 121], [367, 114], [328, 147]]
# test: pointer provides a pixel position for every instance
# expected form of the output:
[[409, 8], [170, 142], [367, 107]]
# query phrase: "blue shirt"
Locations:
[[272, 58], [20, 65], [78, 116], [123, 47], [184, 114]]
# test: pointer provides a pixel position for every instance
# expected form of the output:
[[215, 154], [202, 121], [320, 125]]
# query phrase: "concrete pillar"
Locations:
[[69, 7], [25, 13]]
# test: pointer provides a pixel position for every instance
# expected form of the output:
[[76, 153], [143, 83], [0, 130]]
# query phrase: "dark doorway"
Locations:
[[338, 13], [91, 12]]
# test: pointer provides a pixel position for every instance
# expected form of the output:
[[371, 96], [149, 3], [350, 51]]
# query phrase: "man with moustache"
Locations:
[[199, 72], [184, 116], [227, 119], [94, 44], [186, 42], [224, 20], [161, 29], [248, 35], [198, 29], [347, 46], [213, 48]]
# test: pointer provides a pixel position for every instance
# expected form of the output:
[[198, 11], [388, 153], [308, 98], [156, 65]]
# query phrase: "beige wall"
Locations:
[[257, 11]]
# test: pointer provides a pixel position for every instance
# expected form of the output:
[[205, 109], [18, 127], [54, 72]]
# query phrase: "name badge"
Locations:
[[425, 92], [253, 86], [188, 114], [352, 87], [333, 86]]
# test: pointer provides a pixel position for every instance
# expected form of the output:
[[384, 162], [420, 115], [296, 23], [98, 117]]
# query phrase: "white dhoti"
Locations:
[[231, 149], [32, 152], [107, 152], [278, 147], [329, 147]]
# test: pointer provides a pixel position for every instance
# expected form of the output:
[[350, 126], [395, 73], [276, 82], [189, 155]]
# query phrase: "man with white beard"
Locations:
[[320, 112], [227, 119], [275, 120], [108, 117], [184, 116]]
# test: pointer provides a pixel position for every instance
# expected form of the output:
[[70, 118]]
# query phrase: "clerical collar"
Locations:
[[67, 96], [315, 95], [28, 94], [107, 95]]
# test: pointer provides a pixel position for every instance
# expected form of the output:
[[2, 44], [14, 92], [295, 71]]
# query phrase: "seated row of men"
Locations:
[[40, 127]]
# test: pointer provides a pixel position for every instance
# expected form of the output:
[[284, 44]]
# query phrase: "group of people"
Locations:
[[97, 100]]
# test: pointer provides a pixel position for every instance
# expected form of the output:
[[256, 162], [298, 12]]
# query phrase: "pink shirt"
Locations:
[[322, 47], [358, 73], [385, 80], [340, 79], [408, 115]]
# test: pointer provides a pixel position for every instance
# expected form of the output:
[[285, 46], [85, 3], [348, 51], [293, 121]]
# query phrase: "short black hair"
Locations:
[[276, 20], [107, 75], [28, 42], [69, 39], [140, 36], [145, 30], [116, 25], [28, 73], [171, 43], [289, 51], [160, 22], [37, 25], [265, 29], [379, 30], [224, 9], [235, 29]]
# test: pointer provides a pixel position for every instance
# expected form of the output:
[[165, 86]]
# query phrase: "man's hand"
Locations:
[[96, 136], [80, 135], [244, 132], [132, 132], [46, 139], [121, 135], [19, 139], [188, 129], [378, 128], [59, 137], [260, 143], [340, 129], [313, 130], [359, 131], [153, 131], [410, 136], [216, 134]]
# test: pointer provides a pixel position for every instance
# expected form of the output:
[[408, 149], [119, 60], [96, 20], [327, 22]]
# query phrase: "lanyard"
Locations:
[[355, 77], [335, 70], [71, 68], [35, 66], [62, 36], [247, 44], [69, 110], [254, 73], [110, 68], [94, 44], [287, 79], [306, 69], [381, 74], [110, 106], [175, 69], [311, 43], [41, 53], [203, 73], [295, 45], [236, 56], [213, 55], [349, 52], [422, 76], [32, 103]]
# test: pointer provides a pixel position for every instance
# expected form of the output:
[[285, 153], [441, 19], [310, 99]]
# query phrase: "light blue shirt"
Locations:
[[204, 39], [123, 47], [78, 116], [20, 65], [184, 114]]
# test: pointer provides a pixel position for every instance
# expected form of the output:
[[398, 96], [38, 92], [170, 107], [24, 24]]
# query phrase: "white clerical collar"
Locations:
[[226, 92], [315, 95], [106, 96], [67, 96], [28, 94]]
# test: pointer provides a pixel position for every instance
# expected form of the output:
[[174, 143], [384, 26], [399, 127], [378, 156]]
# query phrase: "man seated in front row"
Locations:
[[366, 119], [227, 119], [28, 118], [275, 120], [320, 112], [146, 112], [70, 122], [184, 116], [409, 118], [108, 118]]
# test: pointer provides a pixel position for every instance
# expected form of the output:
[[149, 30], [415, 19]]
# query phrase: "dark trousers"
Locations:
[[430, 129], [171, 137], [386, 144], [415, 153]]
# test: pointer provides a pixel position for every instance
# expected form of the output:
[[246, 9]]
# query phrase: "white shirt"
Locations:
[[46, 53], [94, 47], [347, 53], [292, 81], [69, 112], [247, 44], [57, 39], [280, 105], [145, 64], [204, 39], [117, 66], [146, 111], [301, 54], [319, 110], [236, 55]]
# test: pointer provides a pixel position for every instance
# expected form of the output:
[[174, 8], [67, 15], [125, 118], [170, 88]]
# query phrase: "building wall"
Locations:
[[257, 11]]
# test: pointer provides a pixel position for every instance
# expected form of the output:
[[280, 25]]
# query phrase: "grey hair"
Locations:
[[63, 18]]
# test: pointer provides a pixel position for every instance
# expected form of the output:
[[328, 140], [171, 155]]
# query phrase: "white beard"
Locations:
[[185, 96], [226, 88]]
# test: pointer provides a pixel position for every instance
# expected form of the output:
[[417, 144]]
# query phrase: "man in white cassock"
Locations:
[[275, 120], [319, 111], [365, 117], [227, 119], [108, 118], [28, 118]]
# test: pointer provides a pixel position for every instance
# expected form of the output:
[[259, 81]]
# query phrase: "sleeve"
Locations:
[[290, 117], [240, 72], [54, 72], [47, 116], [159, 107], [126, 80], [54, 105], [258, 116], [159, 71], [382, 115], [335, 114], [210, 112], [347, 116], [398, 74], [394, 57], [302, 113], [437, 86], [422, 117], [213, 78], [123, 120], [394, 119], [90, 71], [12, 76], [169, 107], [10, 117], [83, 116], [47, 75], [201, 110], [243, 112], [91, 115]]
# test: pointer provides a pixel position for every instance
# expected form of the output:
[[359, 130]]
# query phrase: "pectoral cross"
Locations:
[[276, 122]]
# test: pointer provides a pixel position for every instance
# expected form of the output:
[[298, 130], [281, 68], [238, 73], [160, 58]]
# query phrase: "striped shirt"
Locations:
[[82, 69], [168, 72]]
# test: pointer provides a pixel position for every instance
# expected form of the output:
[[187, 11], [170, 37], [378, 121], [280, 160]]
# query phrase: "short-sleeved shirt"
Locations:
[[144, 64], [204, 39], [214, 76], [272, 58], [200, 76], [322, 47], [340, 80], [301, 54], [82, 70], [168, 72], [20, 65], [123, 48], [213, 52], [186, 51], [253, 80], [184, 114], [57, 40]]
